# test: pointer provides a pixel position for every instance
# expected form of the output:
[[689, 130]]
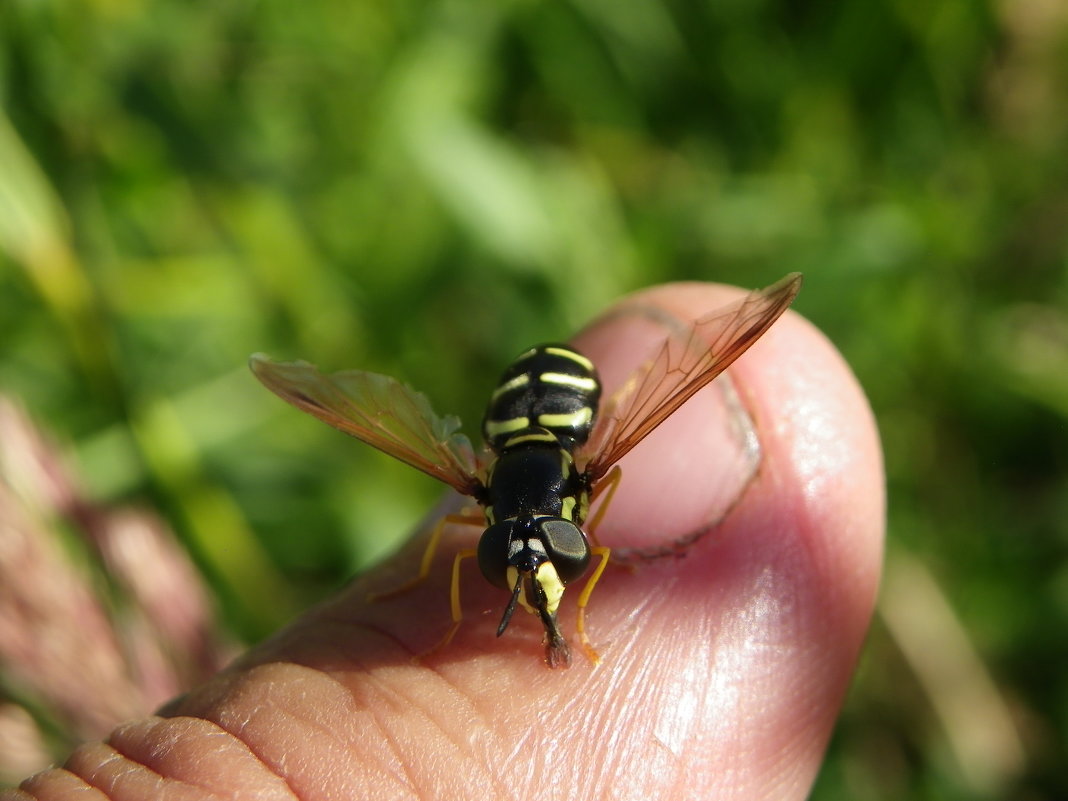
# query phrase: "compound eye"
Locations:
[[566, 546], [493, 553]]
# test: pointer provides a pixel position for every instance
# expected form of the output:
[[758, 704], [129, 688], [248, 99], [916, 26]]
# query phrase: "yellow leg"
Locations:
[[454, 600], [454, 589], [584, 598], [607, 487], [466, 519]]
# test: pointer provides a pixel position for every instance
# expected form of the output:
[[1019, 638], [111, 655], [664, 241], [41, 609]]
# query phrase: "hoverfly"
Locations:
[[548, 452]]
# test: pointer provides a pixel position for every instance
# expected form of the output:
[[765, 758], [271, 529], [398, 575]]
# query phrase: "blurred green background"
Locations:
[[424, 189]]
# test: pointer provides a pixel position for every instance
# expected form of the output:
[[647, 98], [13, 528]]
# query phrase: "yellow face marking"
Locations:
[[494, 428], [568, 510], [551, 585], [566, 420], [489, 515], [515, 383], [536, 436], [578, 358], [578, 382]]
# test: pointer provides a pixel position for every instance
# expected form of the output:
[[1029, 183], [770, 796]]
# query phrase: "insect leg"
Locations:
[[584, 598], [454, 601], [607, 487], [467, 518]]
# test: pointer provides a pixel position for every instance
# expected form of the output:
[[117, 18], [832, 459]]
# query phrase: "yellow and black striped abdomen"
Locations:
[[549, 386]]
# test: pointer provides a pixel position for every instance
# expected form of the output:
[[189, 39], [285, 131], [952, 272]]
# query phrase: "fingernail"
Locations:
[[683, 479]]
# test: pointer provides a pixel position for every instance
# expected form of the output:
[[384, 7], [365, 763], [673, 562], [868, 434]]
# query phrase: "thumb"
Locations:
[[722, 671]]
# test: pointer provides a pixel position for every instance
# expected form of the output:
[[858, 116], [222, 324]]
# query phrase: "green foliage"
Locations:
[[423, 189]]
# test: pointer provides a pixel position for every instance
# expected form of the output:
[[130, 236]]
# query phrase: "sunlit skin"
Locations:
[[722, 672]]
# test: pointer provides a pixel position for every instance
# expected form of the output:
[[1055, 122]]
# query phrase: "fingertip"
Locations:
[[817, 447]]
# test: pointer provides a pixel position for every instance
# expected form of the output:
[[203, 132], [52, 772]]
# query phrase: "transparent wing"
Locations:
[[680, 367], [382, 412]]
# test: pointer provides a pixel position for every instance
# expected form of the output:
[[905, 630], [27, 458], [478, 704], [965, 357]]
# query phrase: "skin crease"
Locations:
[[722, 672]]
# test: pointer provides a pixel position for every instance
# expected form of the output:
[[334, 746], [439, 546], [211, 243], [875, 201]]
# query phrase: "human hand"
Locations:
[[722, 672]]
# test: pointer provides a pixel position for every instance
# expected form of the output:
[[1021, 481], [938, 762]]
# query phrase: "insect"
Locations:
[[550, 451]]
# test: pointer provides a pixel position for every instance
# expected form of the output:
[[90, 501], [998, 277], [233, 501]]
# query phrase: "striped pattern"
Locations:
[[550, 387]]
